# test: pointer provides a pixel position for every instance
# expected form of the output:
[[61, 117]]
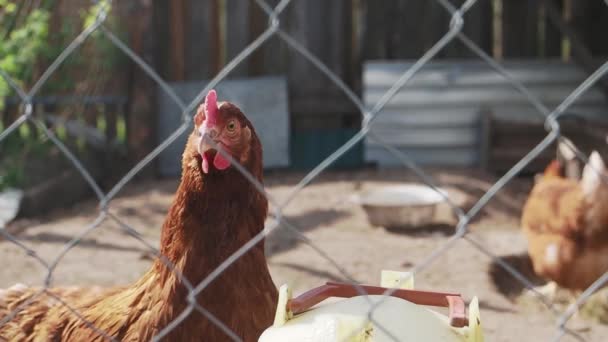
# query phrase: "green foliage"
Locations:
[[110, 55], [96, 56], [23, 40], [11, 176], [18, 148], [121, 129], [90, 16], [26, 48], [21, 46]]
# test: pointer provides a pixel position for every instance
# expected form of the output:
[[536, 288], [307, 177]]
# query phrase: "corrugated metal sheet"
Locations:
[[435, 118], [264, 101]]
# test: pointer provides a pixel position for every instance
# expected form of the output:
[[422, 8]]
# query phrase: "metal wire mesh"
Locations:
[[368, 116]]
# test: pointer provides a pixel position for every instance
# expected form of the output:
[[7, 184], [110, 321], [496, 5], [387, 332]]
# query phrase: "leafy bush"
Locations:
[[26, 48], [21, 45]]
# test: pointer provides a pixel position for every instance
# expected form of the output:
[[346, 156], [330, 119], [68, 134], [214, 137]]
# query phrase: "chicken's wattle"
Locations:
[[219, 161]]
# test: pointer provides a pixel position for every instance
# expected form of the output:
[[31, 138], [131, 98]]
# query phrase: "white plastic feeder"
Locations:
[[403, 315]]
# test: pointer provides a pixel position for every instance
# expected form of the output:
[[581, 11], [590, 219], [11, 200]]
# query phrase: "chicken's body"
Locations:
[[566, 225], [214, 213]]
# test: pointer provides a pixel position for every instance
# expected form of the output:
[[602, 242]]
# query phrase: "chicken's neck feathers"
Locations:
[[210, 218], [203, 227]]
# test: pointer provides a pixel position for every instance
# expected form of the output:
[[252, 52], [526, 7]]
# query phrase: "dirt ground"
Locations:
[[325, 214]]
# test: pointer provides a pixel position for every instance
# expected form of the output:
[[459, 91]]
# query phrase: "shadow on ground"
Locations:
[[311, 271], [61, 239], [283, 239], [506, 283], [423, 231]]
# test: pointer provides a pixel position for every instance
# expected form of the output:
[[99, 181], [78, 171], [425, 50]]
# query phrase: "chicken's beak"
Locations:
[[208, 148], [204, 144]]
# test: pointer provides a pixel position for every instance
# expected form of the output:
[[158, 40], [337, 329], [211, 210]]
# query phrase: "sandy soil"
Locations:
[[325, 213]]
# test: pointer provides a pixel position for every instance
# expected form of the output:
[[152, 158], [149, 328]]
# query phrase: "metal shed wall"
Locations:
[[435, 118]]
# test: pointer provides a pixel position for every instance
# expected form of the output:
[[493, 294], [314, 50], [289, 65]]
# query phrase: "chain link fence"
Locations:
[[368, 115]]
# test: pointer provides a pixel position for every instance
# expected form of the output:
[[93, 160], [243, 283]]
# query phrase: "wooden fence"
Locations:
[[97, 122], [191, 40], [94, 128], [196, 38]]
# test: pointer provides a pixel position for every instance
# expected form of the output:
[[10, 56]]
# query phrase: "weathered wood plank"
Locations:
[[398, 29], [177, 27], [163, 37], [552, 35], [520, 28], [375, 42], [238, 34], [324, 28], [590, 21], [142, 87], [270, 58], [580, 50], [203, 47], [477, 27], [401, 28]]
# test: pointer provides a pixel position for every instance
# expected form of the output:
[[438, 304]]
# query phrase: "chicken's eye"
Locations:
[[231, 126]]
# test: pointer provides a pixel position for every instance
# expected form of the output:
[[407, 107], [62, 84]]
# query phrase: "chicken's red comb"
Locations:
[[211, 107]]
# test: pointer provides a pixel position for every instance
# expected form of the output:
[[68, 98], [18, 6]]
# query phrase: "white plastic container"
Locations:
[[401, 206], [304, 319]]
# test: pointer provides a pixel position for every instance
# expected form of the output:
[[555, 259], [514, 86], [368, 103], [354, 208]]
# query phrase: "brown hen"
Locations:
[[215, 211], [566, 225]]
